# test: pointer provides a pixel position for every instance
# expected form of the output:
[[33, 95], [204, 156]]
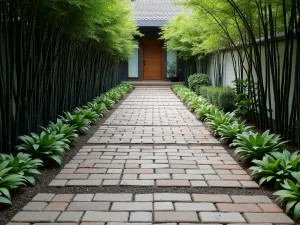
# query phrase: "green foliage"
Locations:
[[106, 101], [205, 110], [77, 120], [8, 182], [23, 165], [291, 194], [87, 114], [223, 98], [113, 95], [256, 146], [229, 132], [196, 103], [226, 99], [109, 23], [218, 118], [69, 131], [172, 69], [99, 109], [197, 80], [276, 167], [44, 146]]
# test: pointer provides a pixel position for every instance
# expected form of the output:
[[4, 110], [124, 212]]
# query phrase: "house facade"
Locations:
[[150, 60]]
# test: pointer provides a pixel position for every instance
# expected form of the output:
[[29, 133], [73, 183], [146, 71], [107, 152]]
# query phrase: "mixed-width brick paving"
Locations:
[[151, 140]]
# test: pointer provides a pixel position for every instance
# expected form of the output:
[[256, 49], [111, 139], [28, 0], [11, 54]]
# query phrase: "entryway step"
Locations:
[[153, 83]]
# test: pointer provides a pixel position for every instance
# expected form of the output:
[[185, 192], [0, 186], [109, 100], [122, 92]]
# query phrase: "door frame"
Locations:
[[162, 58]]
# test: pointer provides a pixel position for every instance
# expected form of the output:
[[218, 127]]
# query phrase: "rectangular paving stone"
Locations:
[[25, 216], [139, 171], [70, 217], [215, 217], [107, 197], [43, 197], [228, 207], [132, 206], [35, 206], [211, 198], [223, 183], [277, 218], [187, 177], [83, 198], [180, 206], [143, 198], [104, 176], [58, 183], [172, 197], [137, 182], [163, 206], [56, 206], [71, 176], [92, 216], [62, 198], [141, 217], [179, 217], [84, 183], [88, 206], [251, 199], [154, 176], [173, 183]]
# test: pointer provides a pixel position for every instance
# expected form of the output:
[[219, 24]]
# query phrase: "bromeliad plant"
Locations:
[[290, 195], [23, 165], [205, 110], [87, 114], [44, 146], [100, 108], [255, 145], [218, 118], [229, 132], [105, 100], [77, 120], [8, 182], [69, 131], [276, 167]]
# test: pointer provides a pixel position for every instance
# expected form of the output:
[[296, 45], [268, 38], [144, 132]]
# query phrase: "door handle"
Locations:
[[144, 62]]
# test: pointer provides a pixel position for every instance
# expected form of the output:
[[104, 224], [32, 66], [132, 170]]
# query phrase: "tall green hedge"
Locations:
[[198, 80]]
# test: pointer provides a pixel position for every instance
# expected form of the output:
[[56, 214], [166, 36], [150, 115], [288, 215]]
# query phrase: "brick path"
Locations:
[[152, 140]]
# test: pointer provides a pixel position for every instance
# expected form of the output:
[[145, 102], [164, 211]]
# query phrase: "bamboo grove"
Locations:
[[252, 31], [56, 55]]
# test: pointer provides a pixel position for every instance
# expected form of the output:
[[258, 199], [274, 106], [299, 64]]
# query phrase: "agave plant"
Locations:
[[291, 194], [255, 145], [69, 131], [100, 108], [44, 146], [23, 165], [88, 114], [229, 132], [218, 118], [77, 120], [8, 182], [106, 101], [276, 167]]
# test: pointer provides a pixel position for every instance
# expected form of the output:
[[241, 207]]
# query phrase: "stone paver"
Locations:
[[151, 140]]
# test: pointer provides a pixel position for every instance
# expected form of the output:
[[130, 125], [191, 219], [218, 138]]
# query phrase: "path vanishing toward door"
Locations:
[[152, 162]]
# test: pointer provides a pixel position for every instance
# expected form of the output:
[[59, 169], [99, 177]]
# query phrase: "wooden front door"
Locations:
[[152, 59]]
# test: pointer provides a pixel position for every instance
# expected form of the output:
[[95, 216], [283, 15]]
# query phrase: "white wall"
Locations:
[[229, 75]]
